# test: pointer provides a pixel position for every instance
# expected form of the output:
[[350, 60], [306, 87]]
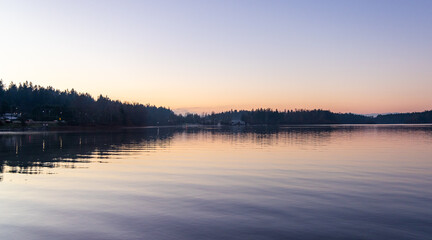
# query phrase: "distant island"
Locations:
[[28, 105]]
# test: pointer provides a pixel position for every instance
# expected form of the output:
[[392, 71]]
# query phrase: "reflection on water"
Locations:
[[303, 182], [31, 153]]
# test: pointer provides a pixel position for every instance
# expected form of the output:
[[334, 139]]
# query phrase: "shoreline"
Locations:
[[17, 129]]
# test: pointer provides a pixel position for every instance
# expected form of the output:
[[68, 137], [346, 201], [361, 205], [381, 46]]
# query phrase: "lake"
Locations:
[[287, 182]]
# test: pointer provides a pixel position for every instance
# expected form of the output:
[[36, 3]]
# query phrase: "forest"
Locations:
[[35, 103]]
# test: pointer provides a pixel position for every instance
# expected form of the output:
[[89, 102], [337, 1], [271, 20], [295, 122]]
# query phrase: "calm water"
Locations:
[[325, 182]]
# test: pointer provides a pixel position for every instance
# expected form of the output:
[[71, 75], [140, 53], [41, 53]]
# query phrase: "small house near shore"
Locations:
[[10, 117]]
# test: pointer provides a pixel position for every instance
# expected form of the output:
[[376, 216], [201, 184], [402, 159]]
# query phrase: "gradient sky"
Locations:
[[347, 56]]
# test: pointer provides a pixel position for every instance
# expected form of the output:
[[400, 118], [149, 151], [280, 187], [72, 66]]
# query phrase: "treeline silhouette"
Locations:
[[81, 109], [270, 116], [300, 116], [48, 104], [415, 117]]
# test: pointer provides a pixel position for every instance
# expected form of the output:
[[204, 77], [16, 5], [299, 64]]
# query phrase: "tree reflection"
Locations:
[[31, 153]]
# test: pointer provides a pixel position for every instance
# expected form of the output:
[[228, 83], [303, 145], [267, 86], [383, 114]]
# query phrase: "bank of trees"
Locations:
[[73, 108], [317, 116], [396, 118], [48, 104], [270, 116]]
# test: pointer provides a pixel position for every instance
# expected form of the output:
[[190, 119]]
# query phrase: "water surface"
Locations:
[[321, 182]]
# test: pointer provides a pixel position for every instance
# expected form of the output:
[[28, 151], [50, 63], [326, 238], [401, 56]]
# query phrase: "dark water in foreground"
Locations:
[[326, 182]]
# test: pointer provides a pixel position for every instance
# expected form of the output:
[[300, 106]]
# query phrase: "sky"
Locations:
[[200, 56]]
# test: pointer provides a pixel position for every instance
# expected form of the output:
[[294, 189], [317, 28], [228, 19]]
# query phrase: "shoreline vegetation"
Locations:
[[32, 107]]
